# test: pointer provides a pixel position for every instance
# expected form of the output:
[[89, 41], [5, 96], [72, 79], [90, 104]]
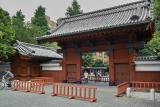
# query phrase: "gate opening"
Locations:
[[95, 67]]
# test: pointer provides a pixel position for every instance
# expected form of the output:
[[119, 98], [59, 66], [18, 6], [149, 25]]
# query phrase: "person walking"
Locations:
[[86, 76]]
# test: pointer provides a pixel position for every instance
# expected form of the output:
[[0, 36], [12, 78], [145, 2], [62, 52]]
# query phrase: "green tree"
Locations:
[[156, 7], [98, 63], [7, 35], [156, 12], [19, 25], [25, 32], [145, 51], [32, 32], [153, 46], [87, 59], [52, 45], [74, 9], [39, 19]]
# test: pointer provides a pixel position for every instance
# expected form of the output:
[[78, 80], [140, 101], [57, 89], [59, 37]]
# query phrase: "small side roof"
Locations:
[[32, 50], [147, 58]]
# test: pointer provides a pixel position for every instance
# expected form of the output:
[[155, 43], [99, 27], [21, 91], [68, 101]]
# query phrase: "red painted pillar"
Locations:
[[132, 54], [64, 65], [111, 68], [72, 64]]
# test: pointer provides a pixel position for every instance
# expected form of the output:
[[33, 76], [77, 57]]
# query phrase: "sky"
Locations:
[[56, 8]]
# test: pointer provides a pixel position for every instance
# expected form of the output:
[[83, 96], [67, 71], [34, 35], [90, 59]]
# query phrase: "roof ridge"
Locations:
[[113, 17], [148, 56], [32, 50], [106, 9], [58, 26], [39, 46], [138, 58], [21, 43], [102, 14]]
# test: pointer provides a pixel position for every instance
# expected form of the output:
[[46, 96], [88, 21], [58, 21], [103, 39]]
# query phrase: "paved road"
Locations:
[[105, 98]]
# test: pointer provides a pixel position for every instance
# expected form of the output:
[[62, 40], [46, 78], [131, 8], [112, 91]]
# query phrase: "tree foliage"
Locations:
[[156, 12], [19, 25], [153, 46], [52, 45], [25, 32], [7, 35], [32, 32], [74, 9], [98, 63], [40, 20], [87, 59]]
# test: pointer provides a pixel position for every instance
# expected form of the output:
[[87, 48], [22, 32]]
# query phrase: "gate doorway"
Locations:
[[96, 65], [71, 72], [122, 73]]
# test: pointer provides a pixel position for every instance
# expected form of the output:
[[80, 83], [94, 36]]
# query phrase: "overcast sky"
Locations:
[[56, 8]]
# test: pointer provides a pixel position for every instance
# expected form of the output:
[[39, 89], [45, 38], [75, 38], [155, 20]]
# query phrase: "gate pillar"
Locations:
[[72, 65], [132, 54], [111, 68]]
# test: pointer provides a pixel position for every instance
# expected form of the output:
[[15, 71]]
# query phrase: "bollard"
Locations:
[[128, 91], [152, 94]]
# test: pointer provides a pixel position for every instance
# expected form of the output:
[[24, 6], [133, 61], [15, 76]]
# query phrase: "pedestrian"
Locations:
[[99, 76], [86, 76]]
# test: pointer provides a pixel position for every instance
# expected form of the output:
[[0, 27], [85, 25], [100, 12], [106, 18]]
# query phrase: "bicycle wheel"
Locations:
[[2, 85]]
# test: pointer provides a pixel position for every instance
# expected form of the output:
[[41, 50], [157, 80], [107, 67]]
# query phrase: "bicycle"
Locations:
[[84, 80], [4, 83]]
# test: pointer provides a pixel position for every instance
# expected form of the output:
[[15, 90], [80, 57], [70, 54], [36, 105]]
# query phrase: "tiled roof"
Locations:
[[124, 15], [147, 58], [27, 49]]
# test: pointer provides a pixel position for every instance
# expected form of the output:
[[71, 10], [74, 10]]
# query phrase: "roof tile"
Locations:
[[147, 58], [103, 19], [28, 49]]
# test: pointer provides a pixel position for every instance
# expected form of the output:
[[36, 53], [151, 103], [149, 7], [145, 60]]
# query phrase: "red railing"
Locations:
[[136, 85], [145, 85], [99, 78], [75, 91], [121, 88], [27, 86], [44, 80]]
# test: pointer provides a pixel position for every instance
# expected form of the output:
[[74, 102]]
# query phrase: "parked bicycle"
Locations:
[[84, 80], [4, 83], [6, 77]]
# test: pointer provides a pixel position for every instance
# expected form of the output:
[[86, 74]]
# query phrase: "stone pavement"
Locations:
[[145, 95], [105, 96]]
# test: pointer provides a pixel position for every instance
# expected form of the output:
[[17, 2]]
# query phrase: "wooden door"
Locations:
[[71, 72], [122, 73]]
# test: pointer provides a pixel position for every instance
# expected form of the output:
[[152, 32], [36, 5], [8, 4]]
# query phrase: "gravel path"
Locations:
[[105, 96]]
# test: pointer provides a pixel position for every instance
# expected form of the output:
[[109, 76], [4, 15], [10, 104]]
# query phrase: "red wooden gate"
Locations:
[[71, 72], [122, 73]]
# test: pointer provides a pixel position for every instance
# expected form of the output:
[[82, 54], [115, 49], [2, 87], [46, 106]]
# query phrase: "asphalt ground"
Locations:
[[105, 98]]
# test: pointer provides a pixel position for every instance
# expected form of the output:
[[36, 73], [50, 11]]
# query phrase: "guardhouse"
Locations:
[[26, 64]]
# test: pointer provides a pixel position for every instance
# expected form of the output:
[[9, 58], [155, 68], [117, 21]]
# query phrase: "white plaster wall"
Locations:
[[50, 68], [147, 66]]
